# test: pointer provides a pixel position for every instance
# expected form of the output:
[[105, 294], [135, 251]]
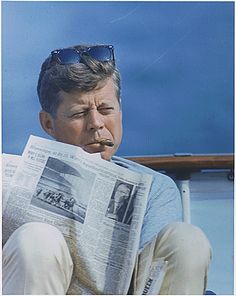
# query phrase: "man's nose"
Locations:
[[95, 120]]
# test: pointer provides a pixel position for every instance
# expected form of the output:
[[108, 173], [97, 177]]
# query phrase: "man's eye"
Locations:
[[106, 110], [79, 114]]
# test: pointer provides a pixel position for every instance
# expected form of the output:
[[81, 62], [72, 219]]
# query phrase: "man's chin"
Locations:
[[94, 148], [104, 153], [105, 156]]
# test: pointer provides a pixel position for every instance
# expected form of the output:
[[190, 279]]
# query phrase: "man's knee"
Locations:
[[36, 241], [186, 243], [36, 260]]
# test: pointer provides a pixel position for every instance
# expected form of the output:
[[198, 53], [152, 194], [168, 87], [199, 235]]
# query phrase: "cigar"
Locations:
[[106, 142]]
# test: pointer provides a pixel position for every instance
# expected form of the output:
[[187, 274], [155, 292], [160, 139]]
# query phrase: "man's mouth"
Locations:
[[106, 142], [101, 142], [99, 145]]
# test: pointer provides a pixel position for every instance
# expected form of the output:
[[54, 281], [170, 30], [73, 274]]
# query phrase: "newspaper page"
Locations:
[[149, 272], [9, 166], [64, 186]]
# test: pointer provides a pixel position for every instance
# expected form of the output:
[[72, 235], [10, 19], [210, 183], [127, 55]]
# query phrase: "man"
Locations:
[[119, 208], [79, 91]]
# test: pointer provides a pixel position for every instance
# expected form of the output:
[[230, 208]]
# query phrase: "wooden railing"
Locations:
[[186, 164], [183, 166]]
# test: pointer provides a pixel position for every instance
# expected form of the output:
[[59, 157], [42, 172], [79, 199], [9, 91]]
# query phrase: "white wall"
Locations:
[[212, 209]]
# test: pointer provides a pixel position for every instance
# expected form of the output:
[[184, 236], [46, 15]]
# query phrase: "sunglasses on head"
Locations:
[[101, 53]]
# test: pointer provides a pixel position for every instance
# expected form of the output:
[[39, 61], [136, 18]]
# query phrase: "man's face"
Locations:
[[84, 119], [121, 193]]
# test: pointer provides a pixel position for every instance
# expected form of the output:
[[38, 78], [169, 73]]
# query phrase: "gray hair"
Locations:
[[83, 77]]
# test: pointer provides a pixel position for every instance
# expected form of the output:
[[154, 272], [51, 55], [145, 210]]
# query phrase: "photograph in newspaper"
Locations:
[[64, 189], [121, 206]]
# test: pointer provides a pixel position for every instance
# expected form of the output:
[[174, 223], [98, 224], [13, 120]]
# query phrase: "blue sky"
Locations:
[[175, 58]]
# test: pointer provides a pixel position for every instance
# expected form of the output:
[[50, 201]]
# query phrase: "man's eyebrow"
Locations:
[[77, 109], [106, 103]]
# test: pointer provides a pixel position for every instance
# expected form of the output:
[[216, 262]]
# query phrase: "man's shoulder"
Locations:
[[131, 165], [136, 167]]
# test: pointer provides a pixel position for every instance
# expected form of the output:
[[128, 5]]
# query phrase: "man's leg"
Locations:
[[36, 260], [188, 253]]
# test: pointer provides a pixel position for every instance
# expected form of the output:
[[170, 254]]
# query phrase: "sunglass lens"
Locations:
[[68, 56], [101, 54]]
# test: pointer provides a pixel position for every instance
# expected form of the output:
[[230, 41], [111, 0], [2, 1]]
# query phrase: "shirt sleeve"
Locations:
[[164, 206]]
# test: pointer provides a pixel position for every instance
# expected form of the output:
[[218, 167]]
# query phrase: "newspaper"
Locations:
[[64, 186], [9, 165], [149, 271]]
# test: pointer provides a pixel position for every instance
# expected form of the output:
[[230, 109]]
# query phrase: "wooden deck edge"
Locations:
[[186, 163]]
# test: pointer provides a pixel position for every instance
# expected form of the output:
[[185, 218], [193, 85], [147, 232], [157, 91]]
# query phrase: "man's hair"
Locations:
[[83, 77]]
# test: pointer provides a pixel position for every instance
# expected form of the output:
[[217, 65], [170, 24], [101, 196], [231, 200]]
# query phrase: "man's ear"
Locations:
[[47, 122]]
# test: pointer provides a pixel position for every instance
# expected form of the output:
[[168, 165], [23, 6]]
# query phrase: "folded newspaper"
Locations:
[[75, 191]]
